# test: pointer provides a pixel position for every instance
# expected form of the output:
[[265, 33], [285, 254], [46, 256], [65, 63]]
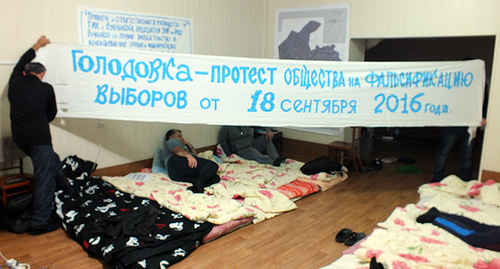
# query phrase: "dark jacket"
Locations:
[[32, 106]]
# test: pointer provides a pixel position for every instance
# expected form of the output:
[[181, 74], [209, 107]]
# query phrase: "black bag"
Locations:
[[16, 213], [321, 164], [17, 205]]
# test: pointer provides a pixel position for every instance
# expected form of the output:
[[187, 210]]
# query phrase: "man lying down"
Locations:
[[182, 164]]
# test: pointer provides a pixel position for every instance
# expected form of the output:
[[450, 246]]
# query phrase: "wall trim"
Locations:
[[135, 166], [295, 149], [486, 174], [303, 151]]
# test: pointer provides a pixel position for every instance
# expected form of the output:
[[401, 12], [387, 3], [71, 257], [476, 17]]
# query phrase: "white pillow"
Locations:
[[219, 152]]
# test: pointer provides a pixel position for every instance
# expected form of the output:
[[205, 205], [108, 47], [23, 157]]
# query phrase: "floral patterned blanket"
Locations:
[[247, 189], [401, 242]]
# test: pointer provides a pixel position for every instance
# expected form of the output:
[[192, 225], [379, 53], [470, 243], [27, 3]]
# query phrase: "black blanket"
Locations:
[[126, 230]]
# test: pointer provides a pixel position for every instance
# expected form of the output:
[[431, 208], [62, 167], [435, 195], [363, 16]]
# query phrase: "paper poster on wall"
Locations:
[[314, 33], [122, 84], [119, 29]]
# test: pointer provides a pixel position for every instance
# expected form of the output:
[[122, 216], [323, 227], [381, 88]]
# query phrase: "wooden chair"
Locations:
[[337, 150], [13, 180]]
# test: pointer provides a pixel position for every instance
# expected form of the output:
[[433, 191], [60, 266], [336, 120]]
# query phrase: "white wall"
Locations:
[[373, 19], [232, 28], [221, 27]]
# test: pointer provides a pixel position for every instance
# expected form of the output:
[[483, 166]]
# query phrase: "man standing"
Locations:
[[466, 137], [183, 165], [32, 107]]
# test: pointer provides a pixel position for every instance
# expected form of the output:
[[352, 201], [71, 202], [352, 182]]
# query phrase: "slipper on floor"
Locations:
[[406, 160], [343, 234], [409, 169], [353, 238]]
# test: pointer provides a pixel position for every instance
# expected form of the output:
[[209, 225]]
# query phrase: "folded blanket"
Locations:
[[247, 189]]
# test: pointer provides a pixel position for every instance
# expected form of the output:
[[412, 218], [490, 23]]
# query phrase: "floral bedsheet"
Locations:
[[401, 242], [472, 199], [404, 243], [247, 189]]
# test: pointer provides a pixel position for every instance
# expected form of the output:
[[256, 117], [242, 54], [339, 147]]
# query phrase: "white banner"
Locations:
[[132, 85]]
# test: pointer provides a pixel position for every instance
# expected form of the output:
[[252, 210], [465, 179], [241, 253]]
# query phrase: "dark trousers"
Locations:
[[260, 147], [203, 175], [48, 176], [450, 136], [474, 233]]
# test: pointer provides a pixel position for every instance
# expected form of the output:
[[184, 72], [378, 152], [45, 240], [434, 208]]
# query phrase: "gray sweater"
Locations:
[[234, 138]]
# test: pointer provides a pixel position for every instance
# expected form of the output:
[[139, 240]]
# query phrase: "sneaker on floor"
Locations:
[[49, 228], [389, 160]]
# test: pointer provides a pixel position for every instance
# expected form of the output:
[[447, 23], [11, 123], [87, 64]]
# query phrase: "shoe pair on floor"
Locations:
[[348, 237]]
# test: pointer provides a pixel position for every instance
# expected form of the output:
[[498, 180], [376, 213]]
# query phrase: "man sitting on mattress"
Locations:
[[240, 141], [183, 165]]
